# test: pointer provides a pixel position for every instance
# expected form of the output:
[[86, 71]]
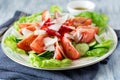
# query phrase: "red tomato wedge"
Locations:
[[45, 15], [69, 49], [38, 45], [87, 34], [58, 52], [23, 25], [89, 27], [78, 21], [88, 22], [25, 43], [31, 28]]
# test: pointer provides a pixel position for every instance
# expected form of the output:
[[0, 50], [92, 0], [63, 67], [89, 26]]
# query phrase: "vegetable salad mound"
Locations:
[[56, 40]]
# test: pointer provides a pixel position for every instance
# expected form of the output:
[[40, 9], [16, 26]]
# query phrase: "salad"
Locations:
[[53, 39]]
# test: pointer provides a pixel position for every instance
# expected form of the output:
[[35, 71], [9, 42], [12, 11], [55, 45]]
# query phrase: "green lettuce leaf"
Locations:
[[97, 52], [55, 8], [104, 44], [11, 42], [42, 62]]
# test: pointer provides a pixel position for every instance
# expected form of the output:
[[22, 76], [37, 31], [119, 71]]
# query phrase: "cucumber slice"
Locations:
[[93, 43], [82, 48], [46, 54]]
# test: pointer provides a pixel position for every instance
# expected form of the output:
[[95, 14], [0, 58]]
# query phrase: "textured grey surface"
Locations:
[[111, 71]]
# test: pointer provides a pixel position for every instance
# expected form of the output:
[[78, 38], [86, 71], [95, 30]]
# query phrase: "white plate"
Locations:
[[82, 62]]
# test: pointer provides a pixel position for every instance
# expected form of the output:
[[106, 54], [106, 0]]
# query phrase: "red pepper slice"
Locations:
[[46, 24], [64, 29], [53, 32]]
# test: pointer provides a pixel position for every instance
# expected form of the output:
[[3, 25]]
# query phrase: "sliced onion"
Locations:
[[50, 48], [61, 20], [49, 41], [58, 23], [55, 27], [77, 35], [60, 49], [57, 14], [26, 32], [37, 32], [98, 38], [68, 36], [42, 23]]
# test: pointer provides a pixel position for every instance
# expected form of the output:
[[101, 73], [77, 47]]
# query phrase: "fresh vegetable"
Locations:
[[46, 54], [54, 39], [11, 42], [93, 43], [55, 8], [104, 44], [41, 62], [58, 52], [97, 52], [38, 45], [69, 49], [28, 19], [82, 48], [97, 19], [46, 15], [25, 43]]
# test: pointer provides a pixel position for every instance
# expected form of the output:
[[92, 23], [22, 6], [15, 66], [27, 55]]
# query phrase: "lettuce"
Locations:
[[11, 42], [97, 52], [99, 19], [55, 8], [105, 44], [28, 19], [99, 49], [42, 62]]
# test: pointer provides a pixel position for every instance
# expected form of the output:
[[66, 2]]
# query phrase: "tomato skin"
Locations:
[[69, 22], [38, 45], [88, 35], [78, 21], [64, 29], [24, 25], [69, 49], [53, 32], [58, 52], [25, 43], [45, 15], [88, 22], [46, 25], [31, 28]]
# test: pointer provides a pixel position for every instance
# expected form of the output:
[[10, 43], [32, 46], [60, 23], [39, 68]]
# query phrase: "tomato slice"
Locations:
[[88, 22], [45, 15], [96, 29], [58, 52], [69, 22], [87, 35], [25, 43], [38, 45], [69, 49], [29, 26], [23, 25], [78, 21]]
